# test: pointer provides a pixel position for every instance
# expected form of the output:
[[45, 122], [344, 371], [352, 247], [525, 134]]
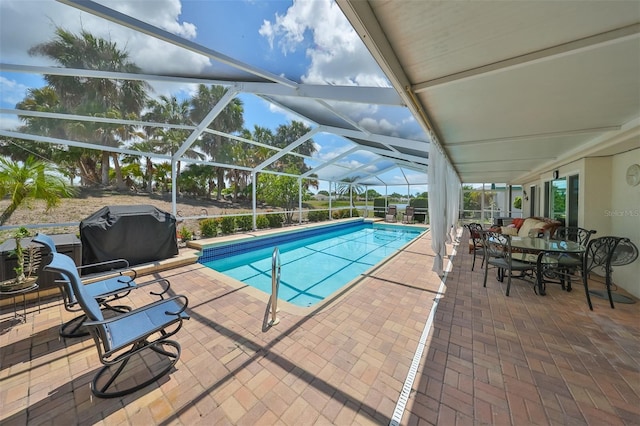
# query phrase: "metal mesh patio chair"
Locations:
[[126, 334], [105, 287], [392, 212]]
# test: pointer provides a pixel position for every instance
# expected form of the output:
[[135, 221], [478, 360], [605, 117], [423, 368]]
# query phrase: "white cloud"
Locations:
[[28, 23], [337, 55], [12, 91], [10, 122]]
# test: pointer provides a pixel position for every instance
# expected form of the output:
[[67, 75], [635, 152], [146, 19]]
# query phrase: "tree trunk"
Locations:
[[105, 168], [120, 184], [6, 214], [220, 186]]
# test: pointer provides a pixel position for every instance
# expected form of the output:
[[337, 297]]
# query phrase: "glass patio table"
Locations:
[[542, 246]]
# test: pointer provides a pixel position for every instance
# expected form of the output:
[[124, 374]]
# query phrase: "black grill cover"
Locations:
[[139, 234]]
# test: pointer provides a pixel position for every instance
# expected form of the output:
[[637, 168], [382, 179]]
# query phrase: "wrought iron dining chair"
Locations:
[[602, 254], [124, 335], [498, 254], [563, 266], [476, 245]]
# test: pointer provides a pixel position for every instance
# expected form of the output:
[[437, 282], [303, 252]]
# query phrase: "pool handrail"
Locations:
[[275, 284]]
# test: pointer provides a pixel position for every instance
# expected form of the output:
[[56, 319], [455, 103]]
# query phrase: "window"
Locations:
[[561, 199]]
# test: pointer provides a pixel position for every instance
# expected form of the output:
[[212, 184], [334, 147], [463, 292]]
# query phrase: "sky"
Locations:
[[308, 41]]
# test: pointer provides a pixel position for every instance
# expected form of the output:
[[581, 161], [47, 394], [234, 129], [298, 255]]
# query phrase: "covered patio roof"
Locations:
[[512, 90]]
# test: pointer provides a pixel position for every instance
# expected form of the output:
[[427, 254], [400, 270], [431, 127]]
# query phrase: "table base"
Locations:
[[616, 297]]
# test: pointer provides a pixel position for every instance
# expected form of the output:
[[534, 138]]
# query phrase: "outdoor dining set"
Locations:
[[554, 255]]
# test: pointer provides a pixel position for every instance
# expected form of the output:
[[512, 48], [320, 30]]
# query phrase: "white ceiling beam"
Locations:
[[534, 136], [80, 72], [217, 109], [357, 94], [150, 30], [75, 117], [85, 145], [286, 150], [375, 174], [555, 52], [357, 169], [366, 24], [391, 156], [381, 139], [330, 162]]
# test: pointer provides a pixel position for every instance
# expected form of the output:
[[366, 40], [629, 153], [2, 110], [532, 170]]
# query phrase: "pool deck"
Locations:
[[487, 358]]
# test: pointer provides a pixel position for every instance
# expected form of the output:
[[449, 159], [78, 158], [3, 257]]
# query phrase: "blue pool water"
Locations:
[[315, 262]]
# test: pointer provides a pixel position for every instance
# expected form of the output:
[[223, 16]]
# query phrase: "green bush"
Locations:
[[318, 215], [379, 208], [245, 223], [228, 225], [209, 227], [421, 205], [342, 214], [262, 221], [185, 234], [275, 220]]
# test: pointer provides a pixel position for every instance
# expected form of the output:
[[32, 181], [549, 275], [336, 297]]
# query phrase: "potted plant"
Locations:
[[26, 266]]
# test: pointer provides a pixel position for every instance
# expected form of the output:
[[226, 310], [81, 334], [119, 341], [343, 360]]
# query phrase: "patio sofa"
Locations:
[[534, 225]]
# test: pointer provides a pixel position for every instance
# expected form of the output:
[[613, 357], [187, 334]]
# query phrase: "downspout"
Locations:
[[330, 216], [253, 199], [174, 187], [300, 200]]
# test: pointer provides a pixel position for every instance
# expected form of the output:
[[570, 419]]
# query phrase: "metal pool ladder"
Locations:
[[275, 284]]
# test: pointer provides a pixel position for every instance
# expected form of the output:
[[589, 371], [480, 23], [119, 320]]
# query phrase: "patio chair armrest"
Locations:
[[184, 306], [137, 311], [117, 266], [164, 284]]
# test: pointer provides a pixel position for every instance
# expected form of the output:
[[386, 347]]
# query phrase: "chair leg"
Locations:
[[102, 391], [486, 270], [608, 284], [508, 282], [72, 328], [473, 264], [585, 280]]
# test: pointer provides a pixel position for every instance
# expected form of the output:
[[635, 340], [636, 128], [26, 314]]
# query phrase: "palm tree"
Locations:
[[346, 187], [94, 96], [31, 179], [229, 120], [167, 140]]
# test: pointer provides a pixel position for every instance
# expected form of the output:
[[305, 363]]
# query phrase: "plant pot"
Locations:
[[13, 285]]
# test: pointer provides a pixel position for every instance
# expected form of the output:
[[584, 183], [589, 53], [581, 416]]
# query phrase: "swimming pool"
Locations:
[[315, 263]]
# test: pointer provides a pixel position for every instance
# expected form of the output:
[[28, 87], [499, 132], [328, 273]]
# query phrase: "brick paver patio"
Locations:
[[488, 359]]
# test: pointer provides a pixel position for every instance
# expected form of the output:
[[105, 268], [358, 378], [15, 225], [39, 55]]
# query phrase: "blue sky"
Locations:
[[306, 41]]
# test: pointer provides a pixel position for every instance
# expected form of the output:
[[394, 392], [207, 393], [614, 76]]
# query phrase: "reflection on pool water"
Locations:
[[315, 263]]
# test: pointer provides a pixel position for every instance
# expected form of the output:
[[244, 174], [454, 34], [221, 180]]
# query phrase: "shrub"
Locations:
[[379, 208], [318, 215], [209, 227], [275, 220], [185, 234], [228, 224], [262, 221], [245, 223], [422, 205]]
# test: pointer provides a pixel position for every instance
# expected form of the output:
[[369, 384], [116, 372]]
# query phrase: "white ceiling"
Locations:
[[512, 89]]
